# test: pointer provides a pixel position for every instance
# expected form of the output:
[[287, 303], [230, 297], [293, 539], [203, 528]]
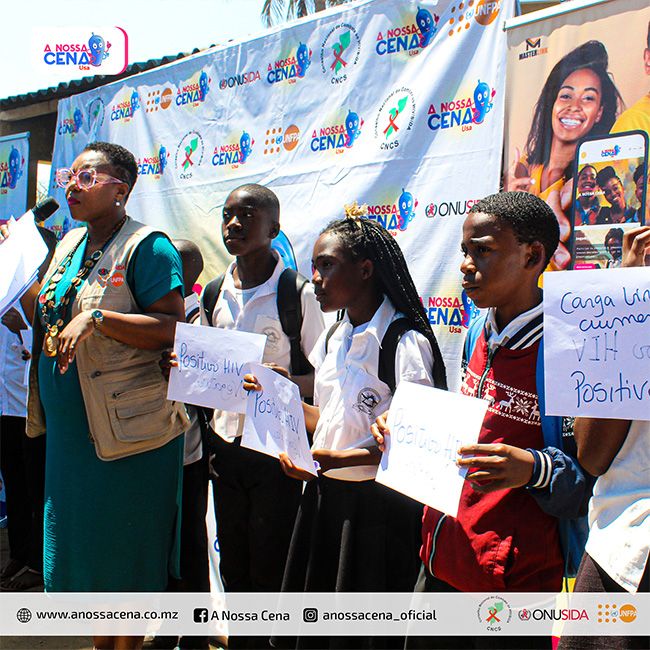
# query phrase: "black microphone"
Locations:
[[45, 209]]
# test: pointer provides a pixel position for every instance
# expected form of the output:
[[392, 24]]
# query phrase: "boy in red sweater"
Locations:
[[505, 537]]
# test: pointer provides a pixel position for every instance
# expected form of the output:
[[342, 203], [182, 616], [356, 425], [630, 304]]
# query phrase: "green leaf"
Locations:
[[401, 104], [345, 40]]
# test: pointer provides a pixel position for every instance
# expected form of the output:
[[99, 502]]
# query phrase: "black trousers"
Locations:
[[592, 578], [255, 505], [22, 463], [195, 571]]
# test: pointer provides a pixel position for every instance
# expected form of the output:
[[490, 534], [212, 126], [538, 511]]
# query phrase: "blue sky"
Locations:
[[155, 29]]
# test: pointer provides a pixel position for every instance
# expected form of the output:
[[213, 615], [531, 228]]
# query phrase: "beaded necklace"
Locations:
[[50, 309]]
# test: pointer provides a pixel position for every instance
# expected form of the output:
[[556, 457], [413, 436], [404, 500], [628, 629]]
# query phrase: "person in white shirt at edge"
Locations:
[[351, 533], [618, 452], [255, 502], [22, 461]]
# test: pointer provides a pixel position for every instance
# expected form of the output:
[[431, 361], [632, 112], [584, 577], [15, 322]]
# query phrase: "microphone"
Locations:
[[45, 209]]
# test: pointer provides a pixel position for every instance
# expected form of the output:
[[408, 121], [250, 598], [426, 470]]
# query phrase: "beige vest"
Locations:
[[123, 389]]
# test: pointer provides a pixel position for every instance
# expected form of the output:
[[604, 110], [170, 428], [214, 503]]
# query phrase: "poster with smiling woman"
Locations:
[[570, 76]]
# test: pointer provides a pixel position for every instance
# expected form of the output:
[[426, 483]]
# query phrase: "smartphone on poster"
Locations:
[[609, 197]]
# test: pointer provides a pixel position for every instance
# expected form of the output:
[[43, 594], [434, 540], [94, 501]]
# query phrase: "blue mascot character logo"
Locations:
[[98, 49], [353, 126], [78, 119], [162, 158], [482, 103], [245, 147], [15, 172], [303, 55], [470, 309], [427, 24], [204, 86], [406, 209], [135, 102], [284, 248]]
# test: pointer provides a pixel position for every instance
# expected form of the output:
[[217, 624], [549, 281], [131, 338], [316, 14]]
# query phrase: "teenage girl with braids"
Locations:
[[351, 533]]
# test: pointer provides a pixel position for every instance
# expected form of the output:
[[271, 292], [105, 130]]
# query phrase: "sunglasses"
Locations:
[[84, 178]]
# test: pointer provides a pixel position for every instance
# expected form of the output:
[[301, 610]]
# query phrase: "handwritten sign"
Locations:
[[275, 421], [211, 366], [21, 255], [427, 426], [597, 343]]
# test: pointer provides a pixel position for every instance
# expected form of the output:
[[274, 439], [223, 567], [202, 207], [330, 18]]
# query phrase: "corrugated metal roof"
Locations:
[[86, 83]]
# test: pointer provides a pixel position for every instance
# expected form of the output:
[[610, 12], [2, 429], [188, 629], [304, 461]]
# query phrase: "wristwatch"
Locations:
[[98, 318]]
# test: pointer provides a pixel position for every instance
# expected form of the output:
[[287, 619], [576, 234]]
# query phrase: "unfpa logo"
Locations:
[[611, 614]]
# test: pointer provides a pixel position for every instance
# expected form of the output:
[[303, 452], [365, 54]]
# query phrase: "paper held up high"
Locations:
[[275, 421], [427, 426], [211, 366], [597, 343]]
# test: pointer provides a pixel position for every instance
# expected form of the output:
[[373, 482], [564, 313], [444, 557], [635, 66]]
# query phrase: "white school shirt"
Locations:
[[347, 390], [619, 511], [192, 450], [13, 369], [258, 313]]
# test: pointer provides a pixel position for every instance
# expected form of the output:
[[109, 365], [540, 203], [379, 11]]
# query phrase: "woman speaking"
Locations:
[[109, 303]]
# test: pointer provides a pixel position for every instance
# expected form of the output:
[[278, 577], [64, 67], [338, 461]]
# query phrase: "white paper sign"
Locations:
[[597, 343], [275, 421], [427, 426], [20, 257], [211, 366]]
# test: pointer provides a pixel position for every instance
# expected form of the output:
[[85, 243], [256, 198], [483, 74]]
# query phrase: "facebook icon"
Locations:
[[200, 615]]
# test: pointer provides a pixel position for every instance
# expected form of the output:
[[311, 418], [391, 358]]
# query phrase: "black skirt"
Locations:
[[353, 536]]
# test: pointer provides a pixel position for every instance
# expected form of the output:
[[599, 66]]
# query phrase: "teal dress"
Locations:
[[109, 525]]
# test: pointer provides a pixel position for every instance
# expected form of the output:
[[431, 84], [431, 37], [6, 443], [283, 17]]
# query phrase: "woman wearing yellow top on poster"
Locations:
[[578, 99]]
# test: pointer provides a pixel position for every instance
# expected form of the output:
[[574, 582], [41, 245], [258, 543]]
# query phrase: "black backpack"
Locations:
[[388, 348], [290, 286]]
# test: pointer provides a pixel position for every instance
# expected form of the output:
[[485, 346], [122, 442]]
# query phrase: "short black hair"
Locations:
[[606, 174], [583, 169], [638, 173], [530, 218], [192, 262], [266, 198], [120, 159]]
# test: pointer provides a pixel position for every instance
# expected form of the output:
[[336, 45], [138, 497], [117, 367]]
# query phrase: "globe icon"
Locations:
[[24, 615]]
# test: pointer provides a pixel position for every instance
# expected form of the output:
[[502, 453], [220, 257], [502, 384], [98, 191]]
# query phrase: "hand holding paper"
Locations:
[[421, 450], [211, 364], [275, 421], [496, 467]]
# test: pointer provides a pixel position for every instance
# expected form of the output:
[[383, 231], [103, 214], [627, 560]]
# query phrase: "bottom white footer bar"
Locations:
[[324, 614]]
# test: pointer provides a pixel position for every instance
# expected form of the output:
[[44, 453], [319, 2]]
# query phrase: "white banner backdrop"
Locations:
[[394, 103], [14, 163]]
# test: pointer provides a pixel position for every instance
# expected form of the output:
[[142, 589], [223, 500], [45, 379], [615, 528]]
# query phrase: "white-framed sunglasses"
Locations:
[[84, 178]]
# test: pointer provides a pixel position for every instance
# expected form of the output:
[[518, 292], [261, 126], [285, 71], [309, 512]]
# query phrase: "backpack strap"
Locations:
[[211, 295], [192, 316], [290, 286], [392, 337], [473, 333], [330, 332]]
